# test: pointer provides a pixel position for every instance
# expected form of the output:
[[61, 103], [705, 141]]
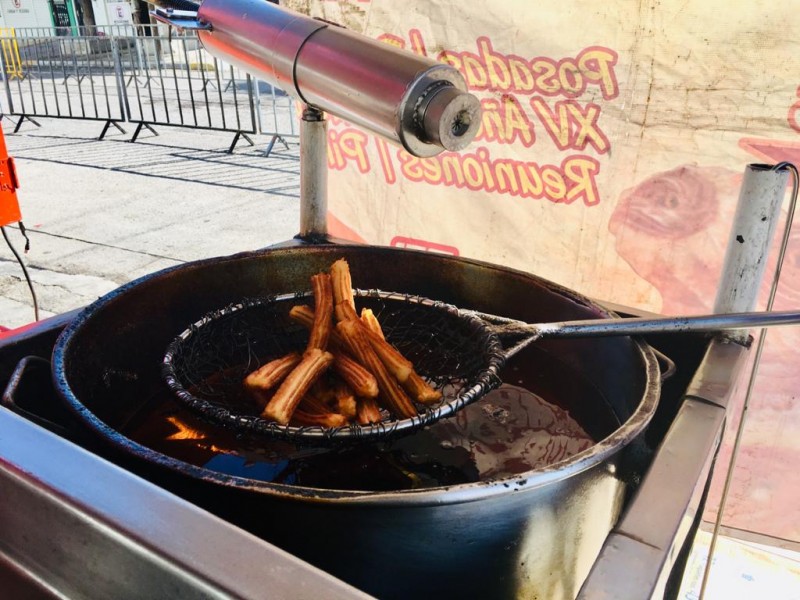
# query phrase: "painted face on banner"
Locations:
[[665, 226]]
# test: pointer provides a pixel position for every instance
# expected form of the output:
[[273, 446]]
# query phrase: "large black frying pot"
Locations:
[[532, 535]]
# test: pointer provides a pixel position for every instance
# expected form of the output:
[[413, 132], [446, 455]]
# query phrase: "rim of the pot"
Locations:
[[596, 454]]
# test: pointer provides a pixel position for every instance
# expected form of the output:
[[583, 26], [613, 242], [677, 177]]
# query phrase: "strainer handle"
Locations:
[[516, 335], [643, 326]]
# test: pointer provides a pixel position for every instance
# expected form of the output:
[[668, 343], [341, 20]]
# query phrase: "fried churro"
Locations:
[[355, 336], [301, 418], [345, 400], [371, 322], [296, 385], [305, 317], [419, 389], [342, 283], [397, 364], [367, 411], [258, 383], [356, 376], [323, 311], [345, 312]]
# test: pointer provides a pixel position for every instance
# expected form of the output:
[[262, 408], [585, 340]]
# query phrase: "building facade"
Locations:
[[63, 13]]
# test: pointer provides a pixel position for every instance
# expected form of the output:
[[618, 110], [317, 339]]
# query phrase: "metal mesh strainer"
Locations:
[[205, 365]]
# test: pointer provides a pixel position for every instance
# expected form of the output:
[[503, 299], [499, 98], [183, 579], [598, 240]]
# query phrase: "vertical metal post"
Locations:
[[757, 215], [767, 182], [255, 122], [119, 78], [255, 102], [313, 174]]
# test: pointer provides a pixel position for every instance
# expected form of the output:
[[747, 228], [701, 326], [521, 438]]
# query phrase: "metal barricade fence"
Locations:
[[172, 80], [48, 74], [145, 75], [276, 115]]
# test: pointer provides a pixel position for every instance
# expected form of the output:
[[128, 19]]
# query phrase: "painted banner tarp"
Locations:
[[609, 159]]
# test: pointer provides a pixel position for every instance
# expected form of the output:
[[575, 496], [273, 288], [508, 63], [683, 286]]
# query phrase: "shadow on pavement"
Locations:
[[246, 169]]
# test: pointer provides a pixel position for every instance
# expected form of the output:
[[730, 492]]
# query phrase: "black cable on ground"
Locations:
[[24, 269]]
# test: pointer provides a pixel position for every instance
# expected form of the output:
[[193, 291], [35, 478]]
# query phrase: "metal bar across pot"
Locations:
[[635, 326]]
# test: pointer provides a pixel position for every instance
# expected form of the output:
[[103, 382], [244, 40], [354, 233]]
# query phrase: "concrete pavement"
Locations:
[[101, 213]]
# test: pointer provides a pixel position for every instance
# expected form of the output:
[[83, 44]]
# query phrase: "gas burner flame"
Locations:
[[184, 431]]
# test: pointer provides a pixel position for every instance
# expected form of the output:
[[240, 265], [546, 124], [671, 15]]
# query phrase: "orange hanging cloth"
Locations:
[[9, 206]]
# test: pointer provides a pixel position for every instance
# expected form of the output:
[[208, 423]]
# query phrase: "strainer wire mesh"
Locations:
[[205, 365]]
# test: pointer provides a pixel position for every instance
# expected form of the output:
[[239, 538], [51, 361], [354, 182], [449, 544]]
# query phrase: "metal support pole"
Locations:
[[757, 215], [313, 174], [785, 168]]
